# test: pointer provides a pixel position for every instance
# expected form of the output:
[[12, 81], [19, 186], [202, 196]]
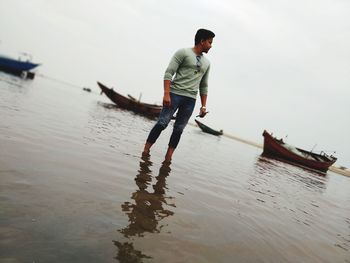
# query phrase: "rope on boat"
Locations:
[[63, 82], [58, 80]]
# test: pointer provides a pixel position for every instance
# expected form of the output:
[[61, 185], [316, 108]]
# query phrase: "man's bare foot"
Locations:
[[145, 154], [169, 155], [167, 161], [147, 148]]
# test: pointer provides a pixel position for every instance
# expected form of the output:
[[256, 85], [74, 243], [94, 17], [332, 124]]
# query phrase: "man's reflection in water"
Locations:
[[147, 210]]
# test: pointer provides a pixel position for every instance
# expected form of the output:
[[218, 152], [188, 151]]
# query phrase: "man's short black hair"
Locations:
[[203, 34]]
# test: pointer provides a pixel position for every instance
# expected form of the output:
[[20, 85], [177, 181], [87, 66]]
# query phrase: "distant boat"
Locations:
[[130, 103], [16, 66], [278, 149], [207, 129]]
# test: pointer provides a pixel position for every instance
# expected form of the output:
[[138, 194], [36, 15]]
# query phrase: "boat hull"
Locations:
[[207, 129], [15, 66], [145, 109], [276, 149]]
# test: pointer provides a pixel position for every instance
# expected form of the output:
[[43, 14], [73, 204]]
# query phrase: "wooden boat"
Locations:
[[278, 149], [130, 103], [16, 66], [207, 129]]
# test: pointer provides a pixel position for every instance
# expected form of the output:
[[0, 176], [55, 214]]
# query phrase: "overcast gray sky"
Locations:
[[278, 65]]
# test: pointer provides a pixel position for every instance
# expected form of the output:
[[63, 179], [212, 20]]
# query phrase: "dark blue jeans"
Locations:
[[185, 106]]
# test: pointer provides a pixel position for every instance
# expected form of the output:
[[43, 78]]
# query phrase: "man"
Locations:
[[187, 73]]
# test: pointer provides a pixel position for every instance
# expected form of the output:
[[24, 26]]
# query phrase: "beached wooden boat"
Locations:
[[16, 66], [207, 129], [130, 103], [278, 149]]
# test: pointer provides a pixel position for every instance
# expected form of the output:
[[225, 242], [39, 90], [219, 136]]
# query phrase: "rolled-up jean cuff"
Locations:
[[174, 139]]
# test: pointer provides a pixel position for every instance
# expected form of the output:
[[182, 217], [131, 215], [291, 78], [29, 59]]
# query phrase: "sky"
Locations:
[[278, 65]]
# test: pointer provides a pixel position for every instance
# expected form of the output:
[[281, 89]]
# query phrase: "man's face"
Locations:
[[206, 44]]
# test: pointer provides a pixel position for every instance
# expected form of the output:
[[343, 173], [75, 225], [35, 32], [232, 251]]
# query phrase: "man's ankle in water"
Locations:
[[146, 149], [169, 155]]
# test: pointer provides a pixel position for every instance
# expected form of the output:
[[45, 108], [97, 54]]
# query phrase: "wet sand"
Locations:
[[338, 170], [74, 188]]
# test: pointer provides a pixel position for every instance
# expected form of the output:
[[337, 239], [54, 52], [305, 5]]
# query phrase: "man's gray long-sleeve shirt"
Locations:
[[191, 73]]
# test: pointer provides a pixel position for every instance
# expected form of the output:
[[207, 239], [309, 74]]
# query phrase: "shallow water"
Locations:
[[74, 188]]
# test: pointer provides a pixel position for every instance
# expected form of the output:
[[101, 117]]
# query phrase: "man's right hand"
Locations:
[[166, 100]]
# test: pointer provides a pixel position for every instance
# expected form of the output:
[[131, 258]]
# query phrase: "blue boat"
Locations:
[[16, 66]]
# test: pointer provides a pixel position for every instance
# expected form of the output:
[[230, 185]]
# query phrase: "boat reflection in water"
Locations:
[[294, 175], [146, 211]]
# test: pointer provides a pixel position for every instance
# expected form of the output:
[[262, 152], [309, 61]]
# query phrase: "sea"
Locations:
[[74, 187]]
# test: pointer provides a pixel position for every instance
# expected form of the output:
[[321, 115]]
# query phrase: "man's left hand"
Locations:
[[202, 112]]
